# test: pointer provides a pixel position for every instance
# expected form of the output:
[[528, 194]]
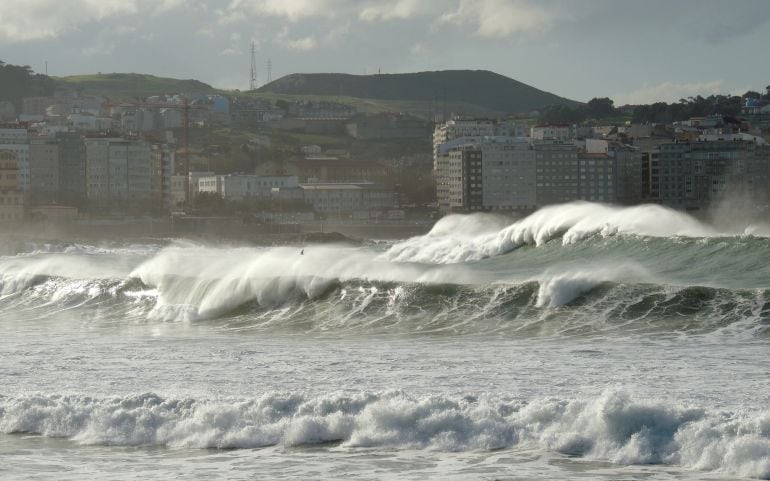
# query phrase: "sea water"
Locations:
[[582, 342]]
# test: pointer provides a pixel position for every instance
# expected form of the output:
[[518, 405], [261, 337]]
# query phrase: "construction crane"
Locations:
[[185, 107]]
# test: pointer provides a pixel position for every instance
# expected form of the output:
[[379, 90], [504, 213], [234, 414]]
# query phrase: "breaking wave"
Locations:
[[613, 426], [463, 238]]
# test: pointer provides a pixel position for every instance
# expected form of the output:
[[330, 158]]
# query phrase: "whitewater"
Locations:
[[582, 341]]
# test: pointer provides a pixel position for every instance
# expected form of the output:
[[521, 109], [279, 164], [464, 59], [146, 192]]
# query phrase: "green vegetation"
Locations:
[[486, 91], [124, 85], [17, 82], [661, 112], [597, 109], [420, 108]]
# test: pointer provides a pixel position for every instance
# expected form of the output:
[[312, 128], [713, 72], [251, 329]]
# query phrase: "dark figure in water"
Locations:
[[302, 252]]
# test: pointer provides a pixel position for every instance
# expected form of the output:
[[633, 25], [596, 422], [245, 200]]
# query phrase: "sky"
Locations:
[[631, 51]]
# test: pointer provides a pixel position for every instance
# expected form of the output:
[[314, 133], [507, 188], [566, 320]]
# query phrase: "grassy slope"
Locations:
[[125, 85], [371, 106], [129, 85]]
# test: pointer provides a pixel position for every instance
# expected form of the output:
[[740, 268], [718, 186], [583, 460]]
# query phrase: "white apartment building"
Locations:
[[508, 175], [193, 183], [489, 173], [211, 184], [561, 132]]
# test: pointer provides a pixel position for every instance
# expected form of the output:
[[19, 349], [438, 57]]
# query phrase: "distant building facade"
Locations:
[[11, 197]]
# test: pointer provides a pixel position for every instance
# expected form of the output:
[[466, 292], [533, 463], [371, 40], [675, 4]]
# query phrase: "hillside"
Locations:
[[17, 82], [481, 88], [121, 85]]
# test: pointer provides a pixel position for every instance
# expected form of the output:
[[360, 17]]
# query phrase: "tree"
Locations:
[[17, 82], [600, 108]]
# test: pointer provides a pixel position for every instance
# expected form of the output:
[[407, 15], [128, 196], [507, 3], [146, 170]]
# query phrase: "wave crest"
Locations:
[[459, 239]]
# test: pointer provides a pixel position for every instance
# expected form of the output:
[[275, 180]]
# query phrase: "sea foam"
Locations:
[[613, 426], [456, 238]]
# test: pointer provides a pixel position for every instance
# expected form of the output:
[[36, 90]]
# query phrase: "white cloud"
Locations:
[[293, 10], [304, 44], [395, 9], [420, 49], [31, 20], [337, 35], [501, 18], [99, 49], [235, 46], [669, 92]]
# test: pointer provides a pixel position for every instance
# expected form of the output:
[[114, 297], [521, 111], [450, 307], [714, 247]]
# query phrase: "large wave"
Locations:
[[595, 285], [612, 426], [462, 238], [560, 303]]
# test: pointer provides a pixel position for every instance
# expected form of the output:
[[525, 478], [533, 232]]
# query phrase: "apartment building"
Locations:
[[557, 172], [17, 141], [43, 170], [695, 175], [72, 168], [11, 197]]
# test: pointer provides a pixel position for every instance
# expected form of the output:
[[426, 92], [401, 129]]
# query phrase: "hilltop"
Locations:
[[121, 85], [482, 89]]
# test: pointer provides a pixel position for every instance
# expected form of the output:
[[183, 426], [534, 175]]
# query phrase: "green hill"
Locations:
[[480, 88], [121, 85]]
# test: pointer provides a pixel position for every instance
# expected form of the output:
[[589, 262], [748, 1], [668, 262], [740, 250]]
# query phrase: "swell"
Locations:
[[613, 426], [563, 304]]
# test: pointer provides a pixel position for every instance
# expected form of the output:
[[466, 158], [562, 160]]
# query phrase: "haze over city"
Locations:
[[632, 52], [417, 240]]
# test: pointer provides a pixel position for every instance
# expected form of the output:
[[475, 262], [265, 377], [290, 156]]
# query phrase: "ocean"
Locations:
[[581, 342]]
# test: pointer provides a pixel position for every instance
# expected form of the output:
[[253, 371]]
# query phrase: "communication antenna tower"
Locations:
[[253, 76], [269, 70]]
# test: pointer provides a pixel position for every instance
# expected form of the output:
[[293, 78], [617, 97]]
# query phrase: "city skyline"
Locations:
[[635, 54]]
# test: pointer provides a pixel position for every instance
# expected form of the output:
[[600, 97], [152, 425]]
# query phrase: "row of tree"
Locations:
[[658, 112], [596, 108]]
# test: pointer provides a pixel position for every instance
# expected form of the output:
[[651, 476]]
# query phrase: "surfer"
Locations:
[[302, 252]]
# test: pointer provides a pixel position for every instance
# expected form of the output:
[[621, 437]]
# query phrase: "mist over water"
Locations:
[[544, 333]]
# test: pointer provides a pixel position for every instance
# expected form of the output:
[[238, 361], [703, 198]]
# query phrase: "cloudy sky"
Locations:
[[632, 51]]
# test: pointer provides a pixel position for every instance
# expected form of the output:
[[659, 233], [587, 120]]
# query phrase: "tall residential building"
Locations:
[[17, 141], [179, 190], [44, 168], [557, 172], [97, 169], [694, 175], [72, 168], [11, 197], [118, 171], [456, 128], [489, 173], [447, 136], [163, 159]]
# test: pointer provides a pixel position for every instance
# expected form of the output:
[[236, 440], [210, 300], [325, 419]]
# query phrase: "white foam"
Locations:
[[210, 281], [560, 288], [460, 239], [612, 426]]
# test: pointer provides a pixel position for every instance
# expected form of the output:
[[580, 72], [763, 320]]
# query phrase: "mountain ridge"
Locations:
[[484, 88]]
